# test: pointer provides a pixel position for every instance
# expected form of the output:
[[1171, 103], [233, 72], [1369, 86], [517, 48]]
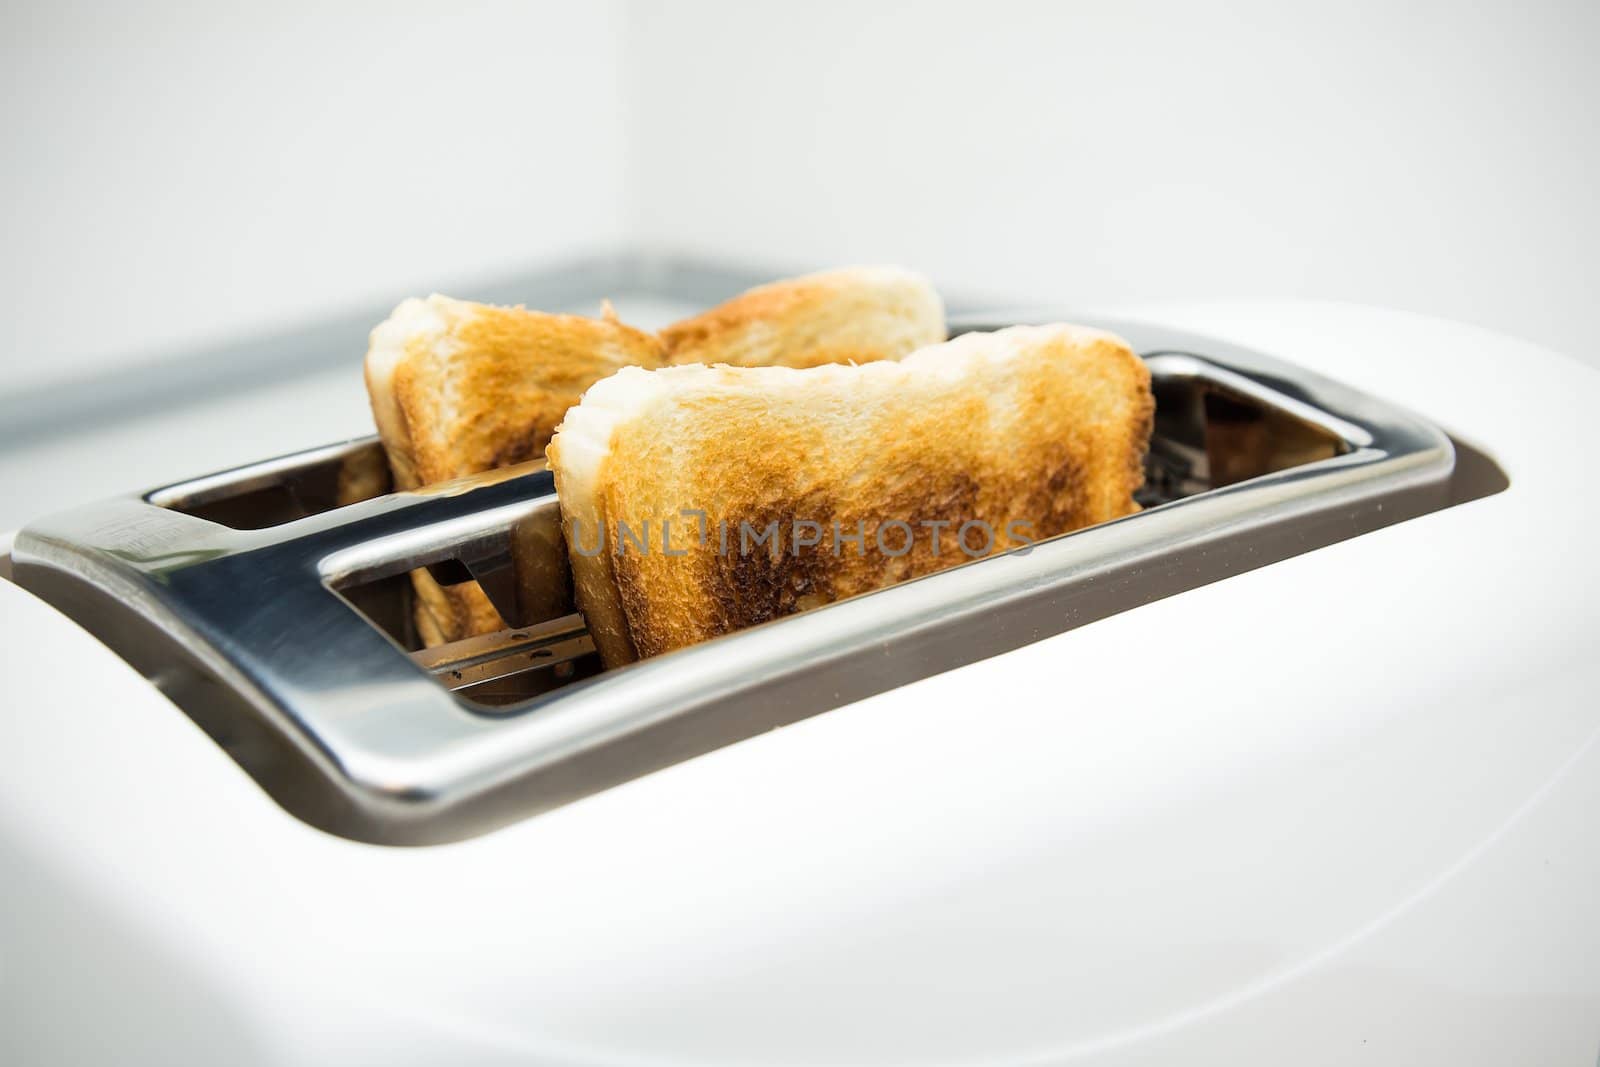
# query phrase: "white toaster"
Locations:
[[1298, 764]]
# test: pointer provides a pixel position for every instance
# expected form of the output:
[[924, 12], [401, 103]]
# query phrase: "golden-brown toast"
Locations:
[[852, 315], [1024, 433], [458, 388]]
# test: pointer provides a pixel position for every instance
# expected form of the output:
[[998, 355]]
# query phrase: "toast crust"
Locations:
[[1030, 431], [459, 388], [852, 315]]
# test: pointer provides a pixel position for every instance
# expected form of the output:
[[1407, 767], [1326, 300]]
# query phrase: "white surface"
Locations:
[[182, 173], [1346, 813], [179, 174], [1428, 156]]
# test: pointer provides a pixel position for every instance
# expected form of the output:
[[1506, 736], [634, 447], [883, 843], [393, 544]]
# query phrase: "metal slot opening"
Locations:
[[283, 490], [1207, 436], [494, 670], [518, 568]]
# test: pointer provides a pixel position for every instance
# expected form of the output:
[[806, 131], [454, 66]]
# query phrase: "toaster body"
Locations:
[[1335, 804]]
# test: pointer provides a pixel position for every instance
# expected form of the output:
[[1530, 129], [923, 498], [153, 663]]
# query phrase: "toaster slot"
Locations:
[[281, 595], [1207, 435], [521, 565], [273, 492]]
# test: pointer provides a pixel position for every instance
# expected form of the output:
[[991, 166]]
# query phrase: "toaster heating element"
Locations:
[[273, 602]]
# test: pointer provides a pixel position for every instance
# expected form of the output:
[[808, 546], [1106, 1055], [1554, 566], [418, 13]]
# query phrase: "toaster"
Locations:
[[1296, 764]]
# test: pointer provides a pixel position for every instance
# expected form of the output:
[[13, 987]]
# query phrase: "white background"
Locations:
[[178, 175], [184, 174]]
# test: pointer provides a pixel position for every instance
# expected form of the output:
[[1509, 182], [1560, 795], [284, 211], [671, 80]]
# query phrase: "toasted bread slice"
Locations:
[[458, 388], [1024, 433], [853, 315]]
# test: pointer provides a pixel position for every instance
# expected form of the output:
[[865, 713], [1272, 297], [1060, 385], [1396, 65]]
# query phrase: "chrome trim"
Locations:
[[345, 728]]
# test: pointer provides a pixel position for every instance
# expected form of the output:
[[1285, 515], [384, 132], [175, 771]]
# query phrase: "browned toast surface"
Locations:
[[470, 387], [1017, 435], [851, 315]]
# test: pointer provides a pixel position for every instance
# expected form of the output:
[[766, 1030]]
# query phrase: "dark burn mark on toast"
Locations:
[[772, 579], [528, 443], [928, 497], [751, 587], [742, 582], [1066, 502]]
